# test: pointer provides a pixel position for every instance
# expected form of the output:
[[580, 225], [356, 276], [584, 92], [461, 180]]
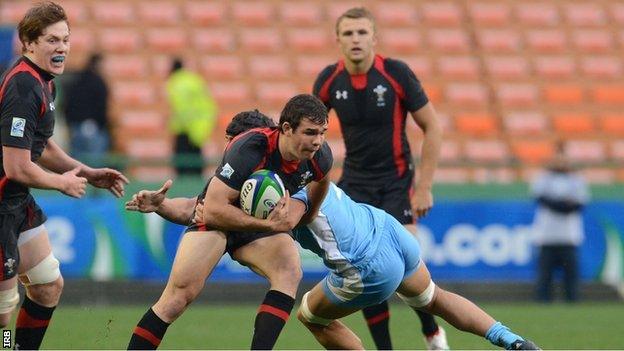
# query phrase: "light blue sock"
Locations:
[[500, 335]]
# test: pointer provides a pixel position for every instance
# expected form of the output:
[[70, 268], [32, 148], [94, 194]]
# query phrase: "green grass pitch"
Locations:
[[557, 326]]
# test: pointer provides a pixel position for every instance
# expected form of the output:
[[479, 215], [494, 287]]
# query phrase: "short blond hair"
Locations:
[[355, 13]]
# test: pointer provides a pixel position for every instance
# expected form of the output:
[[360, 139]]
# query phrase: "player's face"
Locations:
[[50, 50], [356, 38], [306, 140]]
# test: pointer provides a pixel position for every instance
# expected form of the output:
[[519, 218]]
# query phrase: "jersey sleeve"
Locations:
[[321, 79], [302, 195], [415, 96], [323, 160], [241, 158], [19, 113]]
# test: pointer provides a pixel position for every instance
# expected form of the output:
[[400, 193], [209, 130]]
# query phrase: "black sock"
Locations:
[[429, 325], [31, 324], [271, 317], [378, 318], [148, 333]]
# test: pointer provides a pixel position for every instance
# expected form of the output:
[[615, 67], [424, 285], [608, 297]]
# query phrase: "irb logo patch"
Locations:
[[17, 127]]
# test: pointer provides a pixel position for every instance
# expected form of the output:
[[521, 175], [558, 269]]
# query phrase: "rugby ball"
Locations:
[[260, 193]]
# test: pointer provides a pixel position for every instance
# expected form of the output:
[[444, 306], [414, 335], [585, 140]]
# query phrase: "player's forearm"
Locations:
[[227, 217], [316, 195], [33, 176], [429, 156], [177, 210], [56, 160]]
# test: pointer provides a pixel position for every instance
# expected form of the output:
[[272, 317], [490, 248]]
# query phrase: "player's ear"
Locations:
[[286, 128]]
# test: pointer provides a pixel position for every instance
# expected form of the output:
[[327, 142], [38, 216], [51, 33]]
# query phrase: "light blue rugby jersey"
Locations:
[[345, 233]]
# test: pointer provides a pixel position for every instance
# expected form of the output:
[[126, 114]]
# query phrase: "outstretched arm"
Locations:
[[177, 210]]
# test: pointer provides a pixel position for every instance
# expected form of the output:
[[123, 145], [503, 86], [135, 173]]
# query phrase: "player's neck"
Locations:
[[361, 67], [284, 150]]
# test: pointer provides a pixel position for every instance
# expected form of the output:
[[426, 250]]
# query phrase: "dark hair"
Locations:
[[355, 13], [176, 64], [246, 120], [303, 106], [36, 19]]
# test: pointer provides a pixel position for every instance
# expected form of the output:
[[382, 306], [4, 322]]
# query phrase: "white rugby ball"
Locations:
[[260, 193]]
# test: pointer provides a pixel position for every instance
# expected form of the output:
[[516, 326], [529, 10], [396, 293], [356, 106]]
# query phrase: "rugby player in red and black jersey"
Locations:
[[26, 124], [372, 96], [296, 151]]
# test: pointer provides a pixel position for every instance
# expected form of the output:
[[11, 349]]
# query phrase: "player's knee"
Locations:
[[47, 294], [305, 315], [8, 300], [184, 292], [422, 300], [44, 272]]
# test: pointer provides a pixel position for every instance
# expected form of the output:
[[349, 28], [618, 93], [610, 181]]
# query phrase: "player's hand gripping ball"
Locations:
[[260, 193]]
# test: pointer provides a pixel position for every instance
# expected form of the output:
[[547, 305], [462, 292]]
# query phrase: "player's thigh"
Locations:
[[269, 255], [318, 303], [33, 245], [396, 200], [197, 255]]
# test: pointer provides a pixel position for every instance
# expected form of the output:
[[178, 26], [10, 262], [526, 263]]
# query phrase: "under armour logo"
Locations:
[[341, 94], [10, 265]]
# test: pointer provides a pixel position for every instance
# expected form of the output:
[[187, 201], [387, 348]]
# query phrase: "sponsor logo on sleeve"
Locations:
[[17, 127], [227, 171]]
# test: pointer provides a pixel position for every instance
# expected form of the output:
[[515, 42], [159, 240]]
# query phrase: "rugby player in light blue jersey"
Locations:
[[370, 256]]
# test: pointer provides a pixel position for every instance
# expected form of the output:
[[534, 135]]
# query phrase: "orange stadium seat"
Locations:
[[333, 127], [448, 40], [306, 40], [253, 13], [11, 12], [310, 66], [525, 123], [586, 150], [148, 147], [151, 173], [493, 175], [533, 14], [489, 150], [533, 151], [270, 67], [517, 94], [401, 40], [506, 67], [450, 151], [77, 12], [585, 14], [560, 66], [134, 93], [499, 40], [337, 147], [261, 40], [230, 93], [222, 66], [296, 13], [113, 12], [617, 150], [159, 13], [395, 14], [275, 94], [602, 67], [613, 124], [204, 13], [490, 13], [452, 175], [166, 40], [120, 40], [609, 94], [470, 94], [142, 121], [125, 66], [600, 175], [617, 12], [213, 40], [476, 123], [566, 94], [546, 40], [458, 67], [336, 8], [593, 41], [573, 123], [421, 65], [82, 40], [434, 92], [441, 13]]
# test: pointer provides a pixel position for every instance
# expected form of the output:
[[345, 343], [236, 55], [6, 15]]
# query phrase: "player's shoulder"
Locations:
[[24, 82], [328, 71], [395, 66], [257, 138], [324, 152]]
